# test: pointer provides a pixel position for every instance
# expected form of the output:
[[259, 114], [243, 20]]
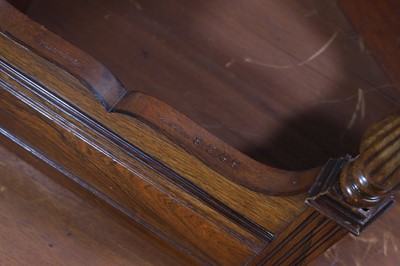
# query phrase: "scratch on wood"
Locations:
[[305, 62], [333, 256], [136, 4], [389, 239], [360, 107], [107, 16], [361, 44], [230, 63], [353, 96], [364, 247], [311, 13], [370, 241]]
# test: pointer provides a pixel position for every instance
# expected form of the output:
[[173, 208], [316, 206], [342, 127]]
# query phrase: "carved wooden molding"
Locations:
[[176, 193], [218, 155], [170, 175], [375, 174], [354, 192]]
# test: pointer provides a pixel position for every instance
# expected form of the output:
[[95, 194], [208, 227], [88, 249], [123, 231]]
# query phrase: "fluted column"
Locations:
[[375, 173]]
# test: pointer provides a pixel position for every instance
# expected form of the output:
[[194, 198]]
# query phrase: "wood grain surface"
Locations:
[[39, 117], [97, 78], [44, 223], [123, 179], [53, 225], [378, 24], [378, 245], [289, 83], [151, 142], [88, 153], [375, 174]]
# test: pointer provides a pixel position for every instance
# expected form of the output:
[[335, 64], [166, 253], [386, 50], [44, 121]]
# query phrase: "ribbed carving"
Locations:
[[372, 176]]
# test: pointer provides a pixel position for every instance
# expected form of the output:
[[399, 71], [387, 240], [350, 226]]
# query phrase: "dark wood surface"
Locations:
[[379, 25], [22, 5], [124, 177], [289, 83], [147, 140], [378, 245], [375, 173], [214, 152], [202, 64], [199, 210], [49, 224], [204, 218]]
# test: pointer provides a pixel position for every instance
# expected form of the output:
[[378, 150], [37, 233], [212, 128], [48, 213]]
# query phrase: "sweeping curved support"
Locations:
[[216, 154]]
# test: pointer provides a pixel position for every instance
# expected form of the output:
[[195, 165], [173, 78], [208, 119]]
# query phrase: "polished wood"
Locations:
[[126, 163], [83, 162], [22, 5], [121, 180], [345, 184], [367, 184], [374, 174], [146, 166], [42, 223], [214, 152], [379, 27], [308, 244], [379, 244], [194, 56]]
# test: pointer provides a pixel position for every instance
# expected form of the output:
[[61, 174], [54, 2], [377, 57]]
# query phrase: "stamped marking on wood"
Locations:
[[173, 125], [223, 157], [235, 163], [197, 141], [200, 143], [60, 53], [211, 149]]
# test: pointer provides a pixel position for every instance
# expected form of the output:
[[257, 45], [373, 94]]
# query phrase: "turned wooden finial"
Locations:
[[375, 173]]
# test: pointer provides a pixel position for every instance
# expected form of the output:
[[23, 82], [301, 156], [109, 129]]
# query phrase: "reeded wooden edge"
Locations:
[[215, 153], [375, 173], [354, 192]]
